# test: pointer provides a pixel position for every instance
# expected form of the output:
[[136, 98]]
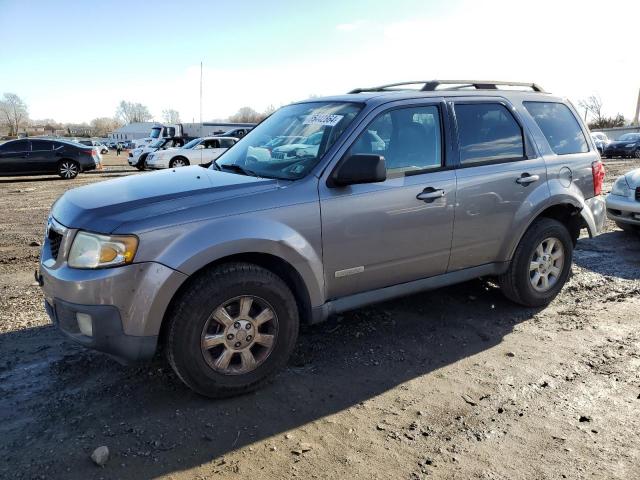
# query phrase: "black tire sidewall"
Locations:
[[545, 229], [172, 163], [188, 325], [68, 161]]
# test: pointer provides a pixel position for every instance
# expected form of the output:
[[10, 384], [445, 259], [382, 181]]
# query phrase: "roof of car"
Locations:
[[442, 88]]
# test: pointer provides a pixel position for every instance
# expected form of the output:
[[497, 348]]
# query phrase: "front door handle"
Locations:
[[526, 179], [430, 194]]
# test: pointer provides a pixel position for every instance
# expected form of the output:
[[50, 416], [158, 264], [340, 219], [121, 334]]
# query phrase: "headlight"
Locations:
[[90, 250], [629, 145], [621, 187]]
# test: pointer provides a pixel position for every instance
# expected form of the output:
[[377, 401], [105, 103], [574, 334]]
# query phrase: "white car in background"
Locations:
[[201, 151], [601, 141], [138, 156]]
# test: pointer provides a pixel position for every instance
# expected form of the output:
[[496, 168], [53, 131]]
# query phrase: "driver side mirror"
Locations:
[[359, 168]]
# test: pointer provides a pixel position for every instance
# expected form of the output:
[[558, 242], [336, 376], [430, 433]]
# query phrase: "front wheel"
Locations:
[[541, 264], [231, 329], [68, 169], [178, 162]]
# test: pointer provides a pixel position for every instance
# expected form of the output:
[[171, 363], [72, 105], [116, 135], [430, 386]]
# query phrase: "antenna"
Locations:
[[635, 118], [200, 92]]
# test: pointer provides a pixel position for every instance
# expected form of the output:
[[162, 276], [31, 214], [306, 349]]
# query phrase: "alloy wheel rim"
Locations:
[[179, 163], [546, 264], [239, 335], [68, 170]]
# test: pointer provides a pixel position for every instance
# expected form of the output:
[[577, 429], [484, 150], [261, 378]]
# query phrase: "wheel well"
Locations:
[[182, 157], [568, 215], [270, 262]]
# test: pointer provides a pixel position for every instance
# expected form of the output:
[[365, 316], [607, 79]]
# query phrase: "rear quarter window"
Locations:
[[559, 126]]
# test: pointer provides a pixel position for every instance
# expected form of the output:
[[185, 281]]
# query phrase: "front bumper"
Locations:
[[107, 333], [623, 209], [126, 304]]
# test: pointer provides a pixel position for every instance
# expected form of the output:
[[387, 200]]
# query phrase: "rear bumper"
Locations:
[[623, 209], [107, 335], [594, 215]]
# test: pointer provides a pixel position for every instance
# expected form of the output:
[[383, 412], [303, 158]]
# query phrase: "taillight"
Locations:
[[597, 169]]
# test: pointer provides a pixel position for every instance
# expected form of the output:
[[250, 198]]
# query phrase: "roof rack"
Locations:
[[432, 85]]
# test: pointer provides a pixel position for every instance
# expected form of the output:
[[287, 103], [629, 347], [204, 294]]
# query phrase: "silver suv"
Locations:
[[407, 189]]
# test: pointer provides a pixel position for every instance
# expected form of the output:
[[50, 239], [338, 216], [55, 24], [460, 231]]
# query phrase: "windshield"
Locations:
[[158, 143], [155, 132], [291, 141], [193, 143], [630, 137]]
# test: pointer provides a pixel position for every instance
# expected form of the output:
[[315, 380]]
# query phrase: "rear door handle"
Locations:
[[430, 194], [526, 179]]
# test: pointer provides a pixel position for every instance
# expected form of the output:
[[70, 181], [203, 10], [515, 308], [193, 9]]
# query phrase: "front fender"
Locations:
[[191, 246]]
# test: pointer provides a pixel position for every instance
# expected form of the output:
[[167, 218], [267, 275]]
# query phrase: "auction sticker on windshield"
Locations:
[[325, 119]]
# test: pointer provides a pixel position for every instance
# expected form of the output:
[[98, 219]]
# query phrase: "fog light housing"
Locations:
[[85, 324]]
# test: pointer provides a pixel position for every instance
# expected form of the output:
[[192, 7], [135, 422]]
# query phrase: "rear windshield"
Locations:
[[559, 126]]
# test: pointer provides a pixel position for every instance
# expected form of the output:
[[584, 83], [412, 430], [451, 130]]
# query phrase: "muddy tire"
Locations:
[[231, 329], [540, 266]]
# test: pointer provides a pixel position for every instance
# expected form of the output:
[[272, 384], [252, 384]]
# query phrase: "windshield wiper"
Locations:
[[238, 169]]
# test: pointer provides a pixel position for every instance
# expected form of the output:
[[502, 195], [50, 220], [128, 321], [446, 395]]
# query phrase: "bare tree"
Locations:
[[245, 115], [105, 125], [171, 116], [13, 112], [130, 112], [249, 115], [593, 105]]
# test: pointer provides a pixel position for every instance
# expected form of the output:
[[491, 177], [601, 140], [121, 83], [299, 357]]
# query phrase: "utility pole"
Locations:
[[636, 119], [200, 92]]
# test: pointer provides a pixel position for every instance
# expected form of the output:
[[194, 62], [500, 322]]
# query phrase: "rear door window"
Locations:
[[40, 145], [559, 126], [487, 132]]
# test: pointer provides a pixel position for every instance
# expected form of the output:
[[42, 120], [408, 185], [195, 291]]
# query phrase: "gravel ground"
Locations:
[[454, 383]]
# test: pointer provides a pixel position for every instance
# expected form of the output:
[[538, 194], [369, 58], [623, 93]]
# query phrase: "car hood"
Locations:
[[103, 206], [633, 178]]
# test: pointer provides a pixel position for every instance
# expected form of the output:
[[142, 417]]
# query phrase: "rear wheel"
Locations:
[[636, 154], [68, 169], [232, 329], [541, 264], [178, 162]]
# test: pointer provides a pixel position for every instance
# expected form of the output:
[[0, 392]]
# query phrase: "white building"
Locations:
[[132, 131]]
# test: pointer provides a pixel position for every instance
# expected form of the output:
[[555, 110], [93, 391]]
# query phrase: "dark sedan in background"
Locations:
[[43, 156], [628, 145]]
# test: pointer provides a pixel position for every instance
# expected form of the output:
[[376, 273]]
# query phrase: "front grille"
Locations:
[[55, 239], [278, 155], [638, 193]]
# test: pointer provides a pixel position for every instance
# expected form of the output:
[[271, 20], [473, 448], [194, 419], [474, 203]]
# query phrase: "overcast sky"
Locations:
[[75, 60]]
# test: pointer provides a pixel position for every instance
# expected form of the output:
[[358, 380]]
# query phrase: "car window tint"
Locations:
[[18, 146], [39, 145], [559, 126], [408, 138], [487, 132]]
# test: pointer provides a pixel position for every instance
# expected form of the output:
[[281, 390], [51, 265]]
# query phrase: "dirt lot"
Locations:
[[455, 383]]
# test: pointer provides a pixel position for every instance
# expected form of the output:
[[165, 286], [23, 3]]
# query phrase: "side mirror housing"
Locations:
[[359, 168]]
